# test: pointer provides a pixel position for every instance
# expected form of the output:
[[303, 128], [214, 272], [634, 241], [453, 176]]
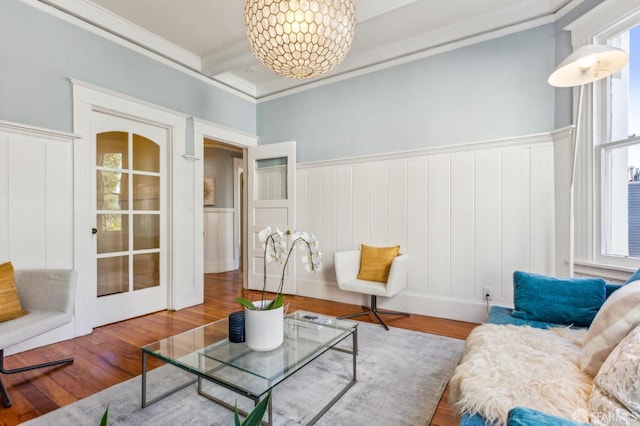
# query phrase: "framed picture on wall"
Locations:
[[209, 191]]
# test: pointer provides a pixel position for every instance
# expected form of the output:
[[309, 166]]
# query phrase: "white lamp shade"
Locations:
[[587, 64]]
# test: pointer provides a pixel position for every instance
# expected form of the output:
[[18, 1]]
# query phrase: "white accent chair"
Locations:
[[49, 297], [347, 264]]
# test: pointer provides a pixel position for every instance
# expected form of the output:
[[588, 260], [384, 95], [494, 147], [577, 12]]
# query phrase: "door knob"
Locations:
[[94, 231]]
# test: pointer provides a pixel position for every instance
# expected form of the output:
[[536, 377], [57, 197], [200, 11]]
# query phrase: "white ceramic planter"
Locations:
[[264, 330]]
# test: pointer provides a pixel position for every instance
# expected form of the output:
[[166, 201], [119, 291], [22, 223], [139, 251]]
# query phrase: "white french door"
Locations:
[[270, 202], [130, 221]]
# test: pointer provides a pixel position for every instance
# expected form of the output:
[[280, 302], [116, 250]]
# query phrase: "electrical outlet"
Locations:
[[486, 293]]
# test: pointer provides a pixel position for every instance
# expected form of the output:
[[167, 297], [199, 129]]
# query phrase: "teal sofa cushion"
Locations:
[[521, 416], [569, 301], [634, 277]]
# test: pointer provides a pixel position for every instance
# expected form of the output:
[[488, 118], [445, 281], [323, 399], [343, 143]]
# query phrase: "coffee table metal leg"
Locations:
[[354, 353], [146, 403]]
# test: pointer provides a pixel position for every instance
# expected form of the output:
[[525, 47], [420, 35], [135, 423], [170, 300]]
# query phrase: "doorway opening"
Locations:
[[223, 168]]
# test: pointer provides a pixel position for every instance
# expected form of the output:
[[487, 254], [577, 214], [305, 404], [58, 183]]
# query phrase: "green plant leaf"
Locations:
[[236, 416], [255, 416], [105, 418], [246, 303], [277, 302]]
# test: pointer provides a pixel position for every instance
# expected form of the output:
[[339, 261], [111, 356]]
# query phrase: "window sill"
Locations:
[[610, 273]]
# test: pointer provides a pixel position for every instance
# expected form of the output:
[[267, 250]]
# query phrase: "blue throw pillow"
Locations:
[[521, 416], [559, 300], [634, 277]]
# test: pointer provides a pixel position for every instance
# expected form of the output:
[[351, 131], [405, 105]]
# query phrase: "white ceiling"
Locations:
[[208, 35]]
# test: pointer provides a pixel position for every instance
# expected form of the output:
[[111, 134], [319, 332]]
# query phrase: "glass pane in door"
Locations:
[[113, 275], [271, 179], [112, 189], [113, 233], [112, 150], [146, 270], [146, 192], [146, 154], [146, 231]]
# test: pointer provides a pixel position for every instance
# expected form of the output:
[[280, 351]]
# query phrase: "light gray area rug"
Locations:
[[401, 377]]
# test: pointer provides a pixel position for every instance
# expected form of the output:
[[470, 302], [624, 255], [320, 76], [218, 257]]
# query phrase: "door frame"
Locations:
[[88, 98]]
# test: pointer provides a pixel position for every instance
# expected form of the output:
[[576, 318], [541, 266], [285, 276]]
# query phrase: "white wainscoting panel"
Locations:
[[466, 216], [218, 240]]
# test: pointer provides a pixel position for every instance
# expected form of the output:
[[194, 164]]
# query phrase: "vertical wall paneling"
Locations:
[[378, 204], [488, 218], [417, 222], [516, 229], [397, 204], [328, 227], [301, 199], [462, 224], [439, 231], [4, 197], [59, 217], [218, 240], [542, 210], [314, 201], [361, 221], [27, 202], [344, 209], [466, 216]]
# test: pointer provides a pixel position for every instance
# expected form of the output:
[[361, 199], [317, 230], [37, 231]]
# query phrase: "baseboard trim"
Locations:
[[405, 301]]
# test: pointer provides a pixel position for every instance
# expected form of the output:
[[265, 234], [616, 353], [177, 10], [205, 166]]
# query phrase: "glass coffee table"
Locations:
[[207, 353]]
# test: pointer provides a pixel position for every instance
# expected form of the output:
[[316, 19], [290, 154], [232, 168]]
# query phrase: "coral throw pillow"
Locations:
[[375, 262], [10, 306]]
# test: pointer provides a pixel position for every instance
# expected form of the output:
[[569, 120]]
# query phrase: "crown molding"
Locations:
[[106, 24], [108, 21], [50, 8]]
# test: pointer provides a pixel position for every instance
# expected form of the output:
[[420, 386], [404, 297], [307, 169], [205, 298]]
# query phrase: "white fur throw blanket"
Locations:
[[506, 366]]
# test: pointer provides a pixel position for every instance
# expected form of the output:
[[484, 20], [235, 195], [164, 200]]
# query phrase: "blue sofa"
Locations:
[[571, 302]]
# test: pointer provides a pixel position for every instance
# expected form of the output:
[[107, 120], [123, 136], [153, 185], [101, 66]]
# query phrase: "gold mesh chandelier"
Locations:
[[300, 38]]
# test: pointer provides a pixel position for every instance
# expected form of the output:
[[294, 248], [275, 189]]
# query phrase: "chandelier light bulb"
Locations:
[[300, 38]]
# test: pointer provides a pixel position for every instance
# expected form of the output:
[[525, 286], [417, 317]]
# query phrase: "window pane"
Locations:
[[112, 150], [146, 231], [621, 213], [146, 192], [625, 89], [113, 233], [146, 154], [146, 270], [112, 190], [113, 275]]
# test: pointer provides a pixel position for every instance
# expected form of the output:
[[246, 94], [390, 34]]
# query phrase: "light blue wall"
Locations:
[[489, 90], [39, 53]]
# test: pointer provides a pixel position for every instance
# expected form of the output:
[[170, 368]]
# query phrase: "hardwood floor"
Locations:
[[111, 354]]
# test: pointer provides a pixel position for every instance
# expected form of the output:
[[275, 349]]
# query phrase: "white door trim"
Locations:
[[86, 99], [205, 129]]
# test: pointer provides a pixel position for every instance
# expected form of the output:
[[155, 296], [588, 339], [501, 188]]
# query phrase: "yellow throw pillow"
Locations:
[[10, 306], [375, 262]]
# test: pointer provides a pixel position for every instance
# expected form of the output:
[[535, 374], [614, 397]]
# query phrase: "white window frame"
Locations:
[[602, 23]]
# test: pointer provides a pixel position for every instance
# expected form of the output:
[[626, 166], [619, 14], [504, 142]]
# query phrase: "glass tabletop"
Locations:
[[208, 352]]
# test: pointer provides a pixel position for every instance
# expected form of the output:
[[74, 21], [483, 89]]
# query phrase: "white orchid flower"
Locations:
[[264, 234]]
